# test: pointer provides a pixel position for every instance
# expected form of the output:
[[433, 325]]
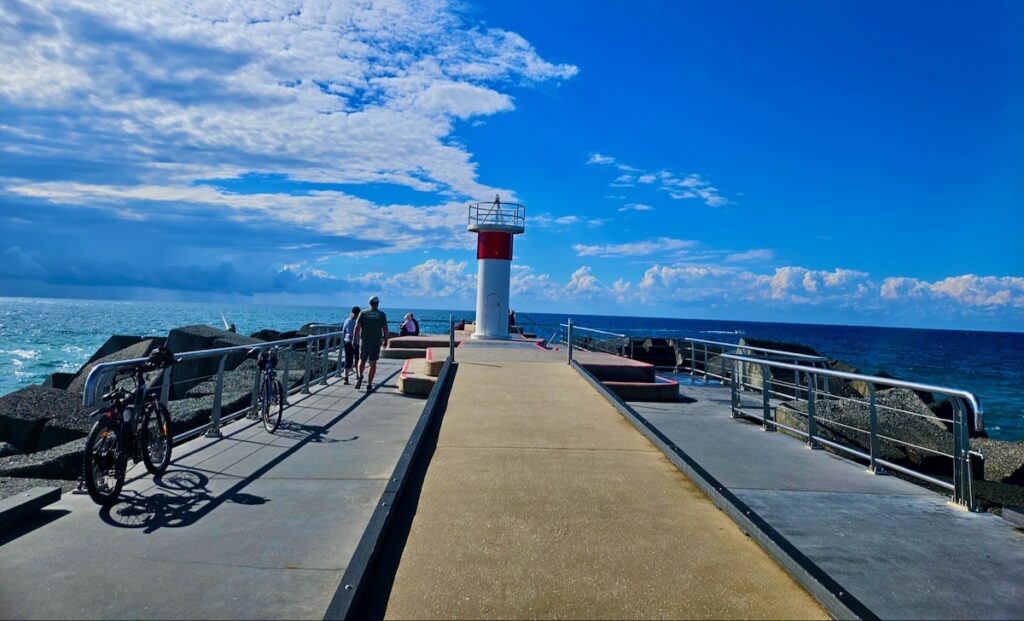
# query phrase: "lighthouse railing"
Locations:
[[511, 215]]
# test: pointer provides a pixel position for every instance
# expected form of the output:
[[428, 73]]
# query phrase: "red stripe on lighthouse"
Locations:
[[494, 245]]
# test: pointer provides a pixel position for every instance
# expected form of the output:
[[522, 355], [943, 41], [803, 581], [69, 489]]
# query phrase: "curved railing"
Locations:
[[814, 391]]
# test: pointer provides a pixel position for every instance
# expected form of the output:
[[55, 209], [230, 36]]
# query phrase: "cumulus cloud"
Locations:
[[968, 290], [583, 283]]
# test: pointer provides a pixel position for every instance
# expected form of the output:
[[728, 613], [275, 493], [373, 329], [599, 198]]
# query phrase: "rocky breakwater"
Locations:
[[43, 427]]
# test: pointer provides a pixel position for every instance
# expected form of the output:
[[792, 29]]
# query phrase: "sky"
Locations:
[[823, 162]]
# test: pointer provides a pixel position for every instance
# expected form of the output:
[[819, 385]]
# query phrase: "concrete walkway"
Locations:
[[541, 501], [250, 526], [903, 551]]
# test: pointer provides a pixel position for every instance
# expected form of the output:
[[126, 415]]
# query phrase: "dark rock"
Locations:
[[843, 388], [113, 344], [139, 349], [59, 380], [37, 417], [7, 449], [185, 375], [59, 462], [834, 417], [267, 335], [1004, 461], [795, 348]]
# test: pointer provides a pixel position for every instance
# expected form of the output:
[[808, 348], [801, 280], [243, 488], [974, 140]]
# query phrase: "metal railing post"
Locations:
[[308, 368], [963, 484], [218, 398], [734, 391], [451, 337], [766, 379], [325, 361], [876, 447], [812, 425], [569, 337], [705, 362], [255, 394], [286, 382], [165, 386]]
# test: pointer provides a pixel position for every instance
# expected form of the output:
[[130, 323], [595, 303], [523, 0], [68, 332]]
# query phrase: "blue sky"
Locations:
[[840, 162]]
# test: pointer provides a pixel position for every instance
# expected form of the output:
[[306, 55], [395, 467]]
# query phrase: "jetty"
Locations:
[[488, 474]]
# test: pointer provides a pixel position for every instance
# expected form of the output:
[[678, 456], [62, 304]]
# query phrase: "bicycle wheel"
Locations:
[[156, 437], [102, 465], [273, 406]]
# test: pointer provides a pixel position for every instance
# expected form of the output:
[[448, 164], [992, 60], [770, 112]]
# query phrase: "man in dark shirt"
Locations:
[[371, 333]]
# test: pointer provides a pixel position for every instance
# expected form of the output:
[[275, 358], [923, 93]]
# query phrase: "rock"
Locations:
[[1004, 461], [36, 418], [139, 349], [115, 343], [831, 415], [10, 486], [59, 462], [795, 348], [185, 375], [7, 449], [266, 335], [752, 374], [59, 380], [842, 388]]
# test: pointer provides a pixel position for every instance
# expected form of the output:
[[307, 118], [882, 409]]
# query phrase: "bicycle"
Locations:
[[134, 425], [270, 395]]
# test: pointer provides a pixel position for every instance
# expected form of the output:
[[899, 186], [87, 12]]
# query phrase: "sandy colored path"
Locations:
[[541, 501]]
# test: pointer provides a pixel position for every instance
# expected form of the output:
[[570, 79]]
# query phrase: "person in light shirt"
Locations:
[[351, 350], [409, 327]]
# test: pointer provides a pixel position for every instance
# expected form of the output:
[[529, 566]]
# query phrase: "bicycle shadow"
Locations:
[[182, 498], [300, 431]]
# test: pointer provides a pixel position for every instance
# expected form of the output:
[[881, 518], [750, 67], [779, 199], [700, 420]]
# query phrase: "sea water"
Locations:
[[42, 336]]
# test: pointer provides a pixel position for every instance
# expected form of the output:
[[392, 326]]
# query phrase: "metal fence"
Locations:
[[591, 339], [494, 214], [835, 414], [312, 355], [705, 357]]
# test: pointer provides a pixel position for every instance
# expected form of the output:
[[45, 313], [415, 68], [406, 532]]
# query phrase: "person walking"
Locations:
[[348, 334], [371, 333]]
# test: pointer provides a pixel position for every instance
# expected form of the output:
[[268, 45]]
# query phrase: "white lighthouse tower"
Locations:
[[495, 224]]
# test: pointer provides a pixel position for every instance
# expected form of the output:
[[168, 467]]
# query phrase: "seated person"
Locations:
[[409, 327]]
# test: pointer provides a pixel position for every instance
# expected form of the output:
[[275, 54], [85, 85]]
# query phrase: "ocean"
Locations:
[[42, 336]]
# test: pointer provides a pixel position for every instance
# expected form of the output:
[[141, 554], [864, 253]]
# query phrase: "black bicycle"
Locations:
[[270, 398], [133, 425]]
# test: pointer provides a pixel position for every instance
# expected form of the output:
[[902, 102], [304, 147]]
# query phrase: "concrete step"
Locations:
[[402, 353], [415, 378], [663, 389]]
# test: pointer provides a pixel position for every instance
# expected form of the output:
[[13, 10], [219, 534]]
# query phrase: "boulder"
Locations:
[[842, 388], [833, 418], [37, 417], [59, 462], [140, 349], [115, 343], [1004, 461], [59, 380], [186, 375]]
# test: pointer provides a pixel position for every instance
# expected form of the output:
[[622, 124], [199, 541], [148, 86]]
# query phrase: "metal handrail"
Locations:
[[511, 215], [575, 327], [324, 345], [621, 344], [770, 353], [962, 455]]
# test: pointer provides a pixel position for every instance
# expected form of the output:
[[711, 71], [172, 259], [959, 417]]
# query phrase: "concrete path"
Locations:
[[541, 501], [250, 526], [900, 549]]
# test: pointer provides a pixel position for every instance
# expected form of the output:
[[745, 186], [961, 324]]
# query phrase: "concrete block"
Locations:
[[26, 504]]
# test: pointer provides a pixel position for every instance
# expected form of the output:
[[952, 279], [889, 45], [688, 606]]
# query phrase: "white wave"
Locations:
[[722, 332], [23, 354]]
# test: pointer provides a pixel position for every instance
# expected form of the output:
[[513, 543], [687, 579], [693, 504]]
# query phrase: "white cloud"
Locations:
[[646, 179], [597, 158], [750, 256], [162, 95], [636, 207], [633, 249], [583, 283], [968, 290]]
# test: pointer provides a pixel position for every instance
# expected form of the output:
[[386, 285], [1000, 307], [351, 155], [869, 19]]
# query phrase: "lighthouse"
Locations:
[[494, 224]]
